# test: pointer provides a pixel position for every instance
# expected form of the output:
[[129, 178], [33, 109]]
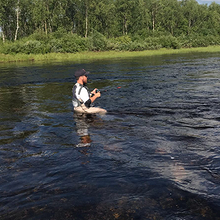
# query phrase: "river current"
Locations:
[[154, 155]]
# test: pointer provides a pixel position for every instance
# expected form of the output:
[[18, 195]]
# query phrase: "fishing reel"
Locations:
[[96, 91]]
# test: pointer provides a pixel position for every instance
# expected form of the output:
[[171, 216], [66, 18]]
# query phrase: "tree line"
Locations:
[[47, 25]]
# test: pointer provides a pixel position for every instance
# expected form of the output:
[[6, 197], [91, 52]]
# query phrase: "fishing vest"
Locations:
[[77, 102]]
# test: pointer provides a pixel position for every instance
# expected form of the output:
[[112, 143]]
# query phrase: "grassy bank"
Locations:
[[89, 56]]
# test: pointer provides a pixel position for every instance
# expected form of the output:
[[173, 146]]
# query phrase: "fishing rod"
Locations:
[[103, 90]]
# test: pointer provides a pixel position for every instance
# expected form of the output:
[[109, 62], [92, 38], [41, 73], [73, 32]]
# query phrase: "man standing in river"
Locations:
[[82, 99]]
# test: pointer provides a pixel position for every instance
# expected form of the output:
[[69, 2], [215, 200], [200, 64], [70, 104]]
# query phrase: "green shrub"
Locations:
[[169, 42], [137, 46], [12, 48], [68, 43], [122, 40], [125, 44], [60, 33], [72, 43], [97, 42], [29, 47], [39, 36], [184, 42], [153, 43], [55, 46], [63, 42], [198, 41]]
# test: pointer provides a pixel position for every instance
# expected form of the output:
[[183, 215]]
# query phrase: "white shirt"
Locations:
[[81, 93]]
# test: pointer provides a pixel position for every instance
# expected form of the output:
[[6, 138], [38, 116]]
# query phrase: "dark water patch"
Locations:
[[170, 202]]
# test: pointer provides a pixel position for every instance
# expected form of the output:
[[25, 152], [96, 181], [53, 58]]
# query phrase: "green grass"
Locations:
[[90, 56]]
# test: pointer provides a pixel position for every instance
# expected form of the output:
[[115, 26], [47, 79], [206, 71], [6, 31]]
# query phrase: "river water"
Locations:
[[154, 155]]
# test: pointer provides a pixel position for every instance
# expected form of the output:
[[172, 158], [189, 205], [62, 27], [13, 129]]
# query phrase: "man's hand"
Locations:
[[98, 94], [95, 95], [95, 91]]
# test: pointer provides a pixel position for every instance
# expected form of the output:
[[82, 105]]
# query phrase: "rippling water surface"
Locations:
[[154, 155]]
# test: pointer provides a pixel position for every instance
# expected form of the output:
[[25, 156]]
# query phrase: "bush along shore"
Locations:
[[71, 46]]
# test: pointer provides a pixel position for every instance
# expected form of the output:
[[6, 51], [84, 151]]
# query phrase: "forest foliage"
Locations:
[[69, 26]]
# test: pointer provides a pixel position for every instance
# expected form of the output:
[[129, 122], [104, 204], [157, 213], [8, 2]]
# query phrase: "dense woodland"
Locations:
[[44, 26]]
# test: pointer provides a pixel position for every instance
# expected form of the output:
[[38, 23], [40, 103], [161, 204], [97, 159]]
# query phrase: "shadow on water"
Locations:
[[154, 155]]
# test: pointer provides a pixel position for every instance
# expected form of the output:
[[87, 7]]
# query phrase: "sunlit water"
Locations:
[[154, 155]]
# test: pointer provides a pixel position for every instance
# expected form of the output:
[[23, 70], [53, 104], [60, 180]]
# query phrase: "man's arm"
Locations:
[[95, 96], [92, 98]]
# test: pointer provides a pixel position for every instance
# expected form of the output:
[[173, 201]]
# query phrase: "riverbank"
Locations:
[[90, 56]]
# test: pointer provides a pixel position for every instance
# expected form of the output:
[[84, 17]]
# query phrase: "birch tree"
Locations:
[[17, 19]]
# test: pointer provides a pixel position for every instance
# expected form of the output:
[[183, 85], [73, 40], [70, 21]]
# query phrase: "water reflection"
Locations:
[[83, 124], [82, 128]]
